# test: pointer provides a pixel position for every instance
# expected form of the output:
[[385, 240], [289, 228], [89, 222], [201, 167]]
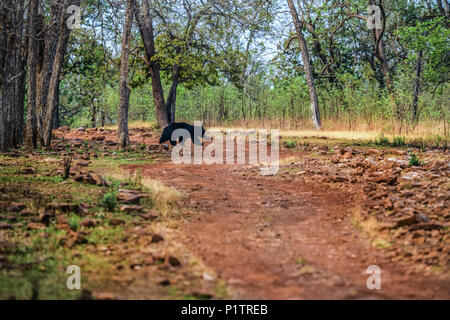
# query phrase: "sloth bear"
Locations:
[[167, 133]]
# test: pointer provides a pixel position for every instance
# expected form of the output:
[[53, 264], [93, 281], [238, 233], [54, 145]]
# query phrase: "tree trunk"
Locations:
[[417, 86], [379, 48], [307, 67], [12, 73], [53, 89], [124, 90], [32, 68], [172, 98], [47, 51], [145, 22]]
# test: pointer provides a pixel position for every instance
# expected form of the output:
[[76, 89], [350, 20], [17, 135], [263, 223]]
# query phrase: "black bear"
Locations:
[[167, 133]]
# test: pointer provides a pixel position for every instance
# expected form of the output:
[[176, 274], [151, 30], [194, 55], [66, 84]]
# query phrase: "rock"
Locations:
[[422, 217], [44, 218], [149, 216], [83, 163], [174, 262], [157, 238], [16, 207], [116, 222], [405, 220], [98, 179], [5, 226], [99, 138], [88, 223], [29, 171], [26, 213], [35, 226], [427, 226], [129, 196], [130, 208], [412, 176], [164, 282]]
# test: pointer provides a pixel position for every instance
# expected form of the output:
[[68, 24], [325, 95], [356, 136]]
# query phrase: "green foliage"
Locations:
[[110, 201], [382, 140], [399, 142], [290, 144], [414, 160]]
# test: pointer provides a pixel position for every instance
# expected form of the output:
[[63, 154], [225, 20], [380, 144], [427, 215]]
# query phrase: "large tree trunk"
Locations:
[[53, 90], [12, 73], [306, 66], [145, 22], [124, 90], [32, 68]]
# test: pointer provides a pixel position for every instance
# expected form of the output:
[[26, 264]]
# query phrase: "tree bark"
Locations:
[[307, 67], [145, 22], [124, 90], [53, 90], [417, 86], [12, 73], [48, 42], [32, 68]]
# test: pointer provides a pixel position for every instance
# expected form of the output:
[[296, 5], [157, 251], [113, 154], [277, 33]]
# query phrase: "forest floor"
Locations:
[[141, 227]]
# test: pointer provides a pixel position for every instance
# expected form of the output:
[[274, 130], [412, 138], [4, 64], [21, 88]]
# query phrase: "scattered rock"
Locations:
[[88, 223], [16, 207], [35, 226], [157, 238], [5, 226], [130, 208], [116, 222]]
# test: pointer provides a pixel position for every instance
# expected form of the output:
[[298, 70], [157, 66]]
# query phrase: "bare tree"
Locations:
[[306, 66], [124, 90]]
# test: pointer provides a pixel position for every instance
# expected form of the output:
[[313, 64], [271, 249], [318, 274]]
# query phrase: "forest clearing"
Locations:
[[346, 102]]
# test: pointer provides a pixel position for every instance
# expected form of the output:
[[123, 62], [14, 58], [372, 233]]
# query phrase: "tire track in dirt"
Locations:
[[272, 238]]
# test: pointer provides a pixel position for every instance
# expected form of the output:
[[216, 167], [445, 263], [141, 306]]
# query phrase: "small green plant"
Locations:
[[290, 144], [382, 140], [73, 224], [399, 142], [110, 201], [414, 160]]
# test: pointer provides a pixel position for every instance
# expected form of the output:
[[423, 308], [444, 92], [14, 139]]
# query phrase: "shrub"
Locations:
[[110, 201], [382, 140], [290, 144], [414, 160]]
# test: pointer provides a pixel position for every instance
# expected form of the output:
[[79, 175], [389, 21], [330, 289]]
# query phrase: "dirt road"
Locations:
[[282, 238]]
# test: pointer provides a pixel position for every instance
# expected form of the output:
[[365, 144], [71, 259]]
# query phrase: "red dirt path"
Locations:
[[275, 238]]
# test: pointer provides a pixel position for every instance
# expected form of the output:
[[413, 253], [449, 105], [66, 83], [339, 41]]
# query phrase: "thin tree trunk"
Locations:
[[124, 90], [145, 22], [307, 67], [47, 52], [32, 67], [417, 86]]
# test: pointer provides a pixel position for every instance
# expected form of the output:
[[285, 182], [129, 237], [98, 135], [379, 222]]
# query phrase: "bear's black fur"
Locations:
[[167, 133]]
